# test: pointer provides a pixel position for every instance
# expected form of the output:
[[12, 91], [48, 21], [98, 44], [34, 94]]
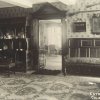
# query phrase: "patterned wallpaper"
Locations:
[[82, 12]]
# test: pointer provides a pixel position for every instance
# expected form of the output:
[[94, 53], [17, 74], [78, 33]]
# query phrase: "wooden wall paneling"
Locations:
[[73, 52], [84, 52], [98, 52], [28, 26], [93, 52], [35, 43], [28, 55], [78, 52]]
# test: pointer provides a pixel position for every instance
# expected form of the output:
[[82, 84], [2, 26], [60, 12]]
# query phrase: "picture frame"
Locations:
[[79, 27], [96, 25]]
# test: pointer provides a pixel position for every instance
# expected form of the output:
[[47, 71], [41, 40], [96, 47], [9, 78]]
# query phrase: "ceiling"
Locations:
[[29, 3], [5, 4]]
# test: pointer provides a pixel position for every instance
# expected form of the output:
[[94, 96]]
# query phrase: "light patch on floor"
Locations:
[[54, 62]]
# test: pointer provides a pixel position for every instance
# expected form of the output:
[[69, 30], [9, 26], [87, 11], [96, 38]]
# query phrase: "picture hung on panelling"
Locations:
[[79, 27], [96, 24]]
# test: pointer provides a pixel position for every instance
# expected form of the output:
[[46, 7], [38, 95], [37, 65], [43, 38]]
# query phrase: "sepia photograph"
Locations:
[[49, 49]]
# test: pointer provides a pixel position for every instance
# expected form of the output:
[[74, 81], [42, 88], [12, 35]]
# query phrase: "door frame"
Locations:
[[51, 37], [61, 15]]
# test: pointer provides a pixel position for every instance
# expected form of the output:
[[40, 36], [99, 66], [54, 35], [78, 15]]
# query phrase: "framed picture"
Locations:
[[96, 25], [79, 27]]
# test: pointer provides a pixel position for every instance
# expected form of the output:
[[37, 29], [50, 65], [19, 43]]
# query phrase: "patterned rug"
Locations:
[[48, 87]]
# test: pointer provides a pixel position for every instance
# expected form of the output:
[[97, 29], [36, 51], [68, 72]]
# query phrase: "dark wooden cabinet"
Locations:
[[14, 45], [14, 50]]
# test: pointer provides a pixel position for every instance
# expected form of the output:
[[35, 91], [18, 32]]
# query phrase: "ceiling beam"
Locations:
[[21, 3]]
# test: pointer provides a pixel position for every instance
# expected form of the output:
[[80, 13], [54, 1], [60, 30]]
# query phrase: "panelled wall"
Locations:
[[84, 47], [82, 30]]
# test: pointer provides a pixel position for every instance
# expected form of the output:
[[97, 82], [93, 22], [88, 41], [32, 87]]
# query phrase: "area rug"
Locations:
[[47, 87]]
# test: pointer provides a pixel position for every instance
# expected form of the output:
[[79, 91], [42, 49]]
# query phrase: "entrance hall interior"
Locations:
[[50, 44]]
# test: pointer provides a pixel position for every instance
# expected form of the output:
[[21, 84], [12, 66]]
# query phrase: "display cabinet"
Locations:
[[14, 43]]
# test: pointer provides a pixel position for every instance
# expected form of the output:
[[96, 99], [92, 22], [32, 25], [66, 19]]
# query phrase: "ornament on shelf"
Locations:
[[1, 34], [21, 34], [9, 34]]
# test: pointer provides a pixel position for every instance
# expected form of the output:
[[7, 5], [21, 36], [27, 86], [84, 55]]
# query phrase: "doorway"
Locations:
[[50, 44]]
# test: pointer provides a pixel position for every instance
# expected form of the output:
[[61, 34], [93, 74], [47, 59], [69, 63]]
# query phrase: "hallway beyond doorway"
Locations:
[[50, 43], [54, 62]]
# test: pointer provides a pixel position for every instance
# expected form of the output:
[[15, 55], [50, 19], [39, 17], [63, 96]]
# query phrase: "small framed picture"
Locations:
[[79, 27]]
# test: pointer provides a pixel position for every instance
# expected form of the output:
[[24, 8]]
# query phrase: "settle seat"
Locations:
[[82, 65]]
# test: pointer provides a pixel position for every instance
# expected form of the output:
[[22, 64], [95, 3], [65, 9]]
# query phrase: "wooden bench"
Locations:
[[82, 65]]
